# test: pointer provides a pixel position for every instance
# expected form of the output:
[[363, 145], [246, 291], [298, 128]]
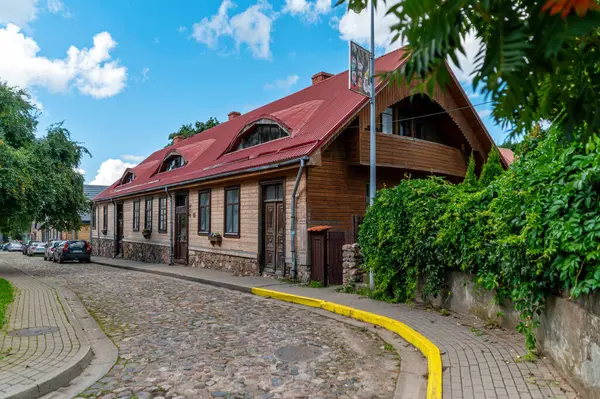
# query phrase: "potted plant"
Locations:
[[215, 238], [146, 233]]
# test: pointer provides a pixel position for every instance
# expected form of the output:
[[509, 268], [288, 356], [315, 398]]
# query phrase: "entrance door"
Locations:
[[181, 229], [274, 229], [119, 236]]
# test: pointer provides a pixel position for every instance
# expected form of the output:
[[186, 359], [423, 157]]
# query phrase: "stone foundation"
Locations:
[[303, 272], [352, 259], [227, 263], [103, 247], [145, 252]]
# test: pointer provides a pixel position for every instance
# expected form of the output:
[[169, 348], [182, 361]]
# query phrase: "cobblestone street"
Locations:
[[184, 340]]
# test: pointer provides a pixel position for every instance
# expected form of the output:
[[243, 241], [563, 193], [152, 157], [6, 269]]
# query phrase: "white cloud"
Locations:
[[18, 12], [145, 76], [91, 71], [471, 46], [182, 29], [80, 171], [357, 27], [484, 112], [110, 171], [55, 6], [308, 10], [251, 28], [283, 84], [133, 158]]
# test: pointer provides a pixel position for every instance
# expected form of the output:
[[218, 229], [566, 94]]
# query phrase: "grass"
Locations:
[[315, 284], [7, 294]]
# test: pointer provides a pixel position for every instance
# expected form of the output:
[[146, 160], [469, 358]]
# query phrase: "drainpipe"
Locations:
[[170, 226], [293, 219], [116, 244]]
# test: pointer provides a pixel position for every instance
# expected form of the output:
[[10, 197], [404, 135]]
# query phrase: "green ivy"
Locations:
[[527, 233]]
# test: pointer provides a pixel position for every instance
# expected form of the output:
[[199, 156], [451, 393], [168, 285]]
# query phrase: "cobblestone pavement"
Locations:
[[184, 340], [27, 361]]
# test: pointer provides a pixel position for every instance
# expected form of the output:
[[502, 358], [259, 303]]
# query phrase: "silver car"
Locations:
[[50, 247], [36, 248], [15, 247]]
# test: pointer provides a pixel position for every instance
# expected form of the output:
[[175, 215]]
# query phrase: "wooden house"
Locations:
[[243, 195]]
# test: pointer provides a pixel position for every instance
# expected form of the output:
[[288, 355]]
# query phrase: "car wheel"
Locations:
[[60, 259], [45, 258]]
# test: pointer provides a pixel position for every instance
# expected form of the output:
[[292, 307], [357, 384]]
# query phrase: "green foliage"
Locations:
[[38, 177], [189, 130], [492, 168], [529, 233], [315, 284], [470, 176], [6, 297], [537, 60]]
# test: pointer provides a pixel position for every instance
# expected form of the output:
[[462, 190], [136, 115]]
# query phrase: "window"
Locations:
[[232, 211], [148, 214], [136, 215], [162, 215], [128, 178], [204, 212], [173, 161], [105, 218], [387, 121], [93, 217], [261, 133]]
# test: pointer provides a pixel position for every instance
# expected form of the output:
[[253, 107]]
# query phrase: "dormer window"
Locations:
[[127, 178], [259, 133], [173, 161]]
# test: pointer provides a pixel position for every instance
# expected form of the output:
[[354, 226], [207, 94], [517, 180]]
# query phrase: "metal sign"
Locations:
[[359, 75]]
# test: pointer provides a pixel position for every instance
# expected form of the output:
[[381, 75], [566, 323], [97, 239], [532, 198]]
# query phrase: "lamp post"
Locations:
[[373, 171]]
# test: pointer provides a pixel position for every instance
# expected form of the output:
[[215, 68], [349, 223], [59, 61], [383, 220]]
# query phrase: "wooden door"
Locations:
[[318, 245], [119, 237], [181, 229], [274, 229], [335, 272]]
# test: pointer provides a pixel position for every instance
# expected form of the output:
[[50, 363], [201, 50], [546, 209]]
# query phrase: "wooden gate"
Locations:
[[318, 270], [335, 241]]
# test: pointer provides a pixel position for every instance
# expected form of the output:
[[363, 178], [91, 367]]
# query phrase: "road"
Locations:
[[178, 339]]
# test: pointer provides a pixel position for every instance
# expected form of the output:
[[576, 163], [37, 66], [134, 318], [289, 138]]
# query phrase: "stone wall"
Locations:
[[302, 271], [103, 247], [569, 331], [145, 252], [352, 259], [237, 265]]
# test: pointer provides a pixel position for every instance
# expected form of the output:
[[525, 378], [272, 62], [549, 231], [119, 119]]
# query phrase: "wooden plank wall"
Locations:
[[414, 154]]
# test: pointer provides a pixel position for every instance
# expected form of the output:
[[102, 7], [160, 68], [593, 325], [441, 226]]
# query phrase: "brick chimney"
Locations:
[[321, 76], [177, 139], [233, 115]]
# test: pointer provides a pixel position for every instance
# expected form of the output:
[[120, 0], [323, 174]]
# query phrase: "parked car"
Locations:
[[36, 248], [79, 250], [25, 247], [5, 246], [15, 247], [50, 248]]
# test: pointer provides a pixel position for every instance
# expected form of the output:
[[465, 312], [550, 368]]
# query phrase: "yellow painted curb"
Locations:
[[429, 350]]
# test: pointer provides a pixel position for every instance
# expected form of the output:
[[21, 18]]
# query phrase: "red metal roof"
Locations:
[[312, 115], [507, 154]]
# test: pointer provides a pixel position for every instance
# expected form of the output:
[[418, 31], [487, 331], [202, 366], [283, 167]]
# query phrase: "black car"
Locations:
[[79, 250]]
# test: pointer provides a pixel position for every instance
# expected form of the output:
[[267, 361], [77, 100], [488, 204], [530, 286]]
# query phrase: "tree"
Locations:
[[188, 130], [38, 177], [470, 176], [491, 169], [538, 59]]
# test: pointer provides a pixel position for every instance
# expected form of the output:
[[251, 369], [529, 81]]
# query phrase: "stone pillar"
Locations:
[[352, 260]]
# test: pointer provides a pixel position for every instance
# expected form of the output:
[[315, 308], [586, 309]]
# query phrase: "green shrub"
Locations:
[[526, 233]]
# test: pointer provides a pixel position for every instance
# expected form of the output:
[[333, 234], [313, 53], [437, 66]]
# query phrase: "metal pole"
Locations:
[[373, 174]]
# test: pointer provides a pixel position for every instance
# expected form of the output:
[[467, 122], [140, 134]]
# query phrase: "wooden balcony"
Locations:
[[413, 154]]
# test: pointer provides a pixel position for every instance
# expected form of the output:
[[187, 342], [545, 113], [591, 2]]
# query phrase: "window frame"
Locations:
[[94, 216], [148, 223], [136, 215], [105, 218], [200, 206], [163, 229], [239, 208]]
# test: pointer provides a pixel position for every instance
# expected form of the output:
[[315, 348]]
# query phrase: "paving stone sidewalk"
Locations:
[[478, 363], [31, 366]]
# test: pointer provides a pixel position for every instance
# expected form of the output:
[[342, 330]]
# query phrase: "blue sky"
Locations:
[[136, 70]]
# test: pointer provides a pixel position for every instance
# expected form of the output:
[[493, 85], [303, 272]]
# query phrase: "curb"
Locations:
[[425, 346], [429, 350], [60, 377]]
